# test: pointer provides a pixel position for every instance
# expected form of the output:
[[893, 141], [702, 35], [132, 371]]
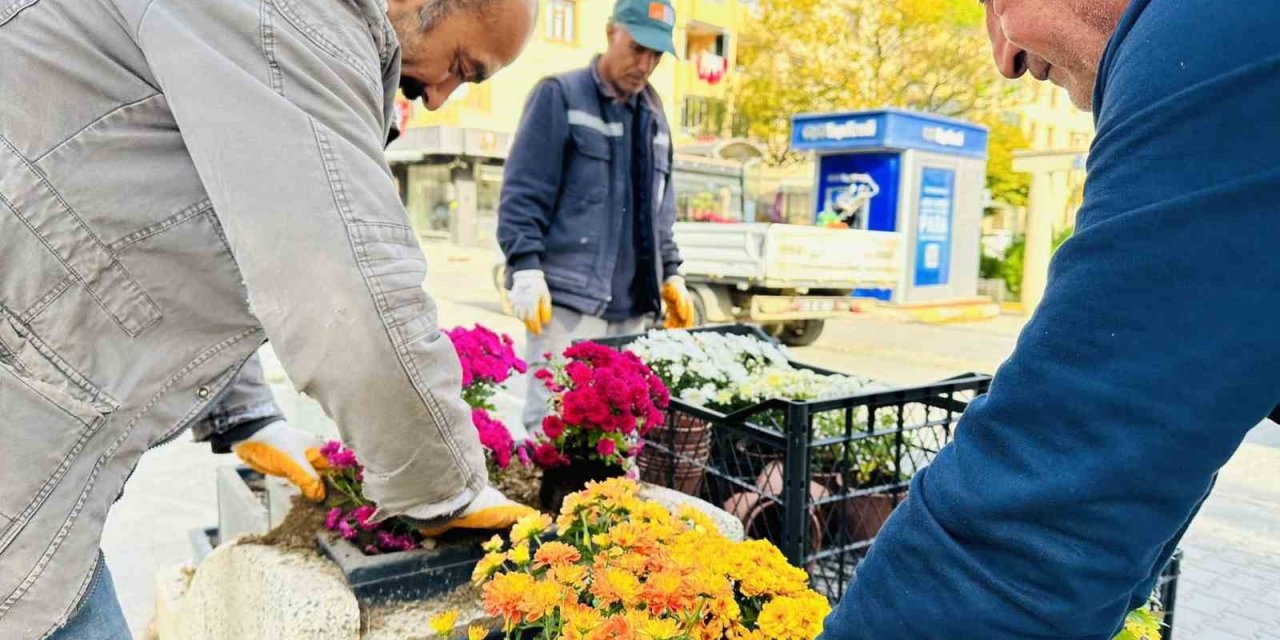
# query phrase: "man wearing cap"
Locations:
[[587, 207]]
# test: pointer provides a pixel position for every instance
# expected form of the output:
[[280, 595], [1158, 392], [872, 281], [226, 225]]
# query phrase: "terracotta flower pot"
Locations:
[[858, 517], [690, 439], [865, 515], [558, 482], [761, 513]]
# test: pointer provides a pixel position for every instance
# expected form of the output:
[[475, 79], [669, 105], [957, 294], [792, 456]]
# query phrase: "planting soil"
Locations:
[[520, 483], [298, 529]]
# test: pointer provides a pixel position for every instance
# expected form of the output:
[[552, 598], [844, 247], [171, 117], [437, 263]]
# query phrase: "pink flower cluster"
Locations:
[[340, 458], [351, 515], [486, 356], [494, 437], [605, 401]]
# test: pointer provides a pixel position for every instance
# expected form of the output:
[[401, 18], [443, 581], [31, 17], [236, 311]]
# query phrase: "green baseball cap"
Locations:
[[650, 22]]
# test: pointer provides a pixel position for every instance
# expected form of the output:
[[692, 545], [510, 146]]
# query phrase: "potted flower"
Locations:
[[602, 403], [620, 567], [698, 368]]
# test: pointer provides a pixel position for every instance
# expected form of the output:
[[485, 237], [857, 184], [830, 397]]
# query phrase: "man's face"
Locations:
[[625, 64], [465, 46], [1056, 40]]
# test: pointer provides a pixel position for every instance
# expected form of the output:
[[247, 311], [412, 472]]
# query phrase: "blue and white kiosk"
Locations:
[[928, 177]]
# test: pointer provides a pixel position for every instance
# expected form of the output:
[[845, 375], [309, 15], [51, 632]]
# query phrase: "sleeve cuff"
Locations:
[[222, 442], [525, 262]]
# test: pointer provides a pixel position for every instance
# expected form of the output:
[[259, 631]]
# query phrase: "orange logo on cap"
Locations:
[[661, 13]]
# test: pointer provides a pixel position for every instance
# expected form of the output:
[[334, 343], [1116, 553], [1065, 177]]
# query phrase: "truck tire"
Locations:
[[800, 333], [699, 309]]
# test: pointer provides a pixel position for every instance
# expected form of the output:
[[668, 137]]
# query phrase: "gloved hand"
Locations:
[[489, 511], [292, 454], [530, 299], [679, 304]]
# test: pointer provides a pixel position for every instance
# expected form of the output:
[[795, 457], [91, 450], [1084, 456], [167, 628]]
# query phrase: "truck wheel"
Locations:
[[801, 333], [699, 309]]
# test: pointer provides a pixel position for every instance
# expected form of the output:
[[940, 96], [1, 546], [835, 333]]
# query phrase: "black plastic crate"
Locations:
[[1167, 591], [816, 478]]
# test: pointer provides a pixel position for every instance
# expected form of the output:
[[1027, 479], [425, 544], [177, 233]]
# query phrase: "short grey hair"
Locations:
[[433, 12]]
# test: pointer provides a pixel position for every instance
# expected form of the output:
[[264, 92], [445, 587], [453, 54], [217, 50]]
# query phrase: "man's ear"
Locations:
[[609, 30]]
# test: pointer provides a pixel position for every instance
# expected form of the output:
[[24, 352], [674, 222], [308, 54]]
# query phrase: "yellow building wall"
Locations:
[[1049, 120], [497, 104]]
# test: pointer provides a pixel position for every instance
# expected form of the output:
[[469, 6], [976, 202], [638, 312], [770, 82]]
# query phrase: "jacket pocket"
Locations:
[[44, 427], [587, 175]]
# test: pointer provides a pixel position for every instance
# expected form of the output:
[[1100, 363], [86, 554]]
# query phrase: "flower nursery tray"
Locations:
[[403, 575]]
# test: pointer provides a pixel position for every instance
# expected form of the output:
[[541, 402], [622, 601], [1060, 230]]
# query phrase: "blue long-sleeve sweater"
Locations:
[[1155, 350]]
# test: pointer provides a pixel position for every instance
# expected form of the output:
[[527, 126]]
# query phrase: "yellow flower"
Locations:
[[494, 544], [444, 622], [539, 601], [519, 554], [794, 618], [580, 621], [477, 632], [700, 521], [488, 566], [569, 575], [659, 628], [615, 586], [529, 526]]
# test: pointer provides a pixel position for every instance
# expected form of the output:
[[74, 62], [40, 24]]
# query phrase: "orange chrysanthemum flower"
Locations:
[[555, 554]]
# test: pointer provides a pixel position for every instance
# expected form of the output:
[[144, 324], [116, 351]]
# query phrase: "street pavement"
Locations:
[[1230, 587]]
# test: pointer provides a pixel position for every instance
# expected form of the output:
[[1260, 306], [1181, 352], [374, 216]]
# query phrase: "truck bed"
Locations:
[[785, 256]]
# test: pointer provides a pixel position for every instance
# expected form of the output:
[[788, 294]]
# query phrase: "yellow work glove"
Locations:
[[531, 299], [679, 305], [282, 451], [490, 511]]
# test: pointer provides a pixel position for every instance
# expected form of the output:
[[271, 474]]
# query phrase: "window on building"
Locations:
[[561, 21], [701, 38], [703, 116]]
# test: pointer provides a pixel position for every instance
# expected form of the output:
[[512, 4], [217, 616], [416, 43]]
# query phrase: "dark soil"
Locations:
[[519, 483]]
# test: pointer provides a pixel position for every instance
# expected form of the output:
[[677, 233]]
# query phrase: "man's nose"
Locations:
[[1011, 59], [438, 94]]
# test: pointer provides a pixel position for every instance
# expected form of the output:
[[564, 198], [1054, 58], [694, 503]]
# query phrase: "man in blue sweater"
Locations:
[[1069, 485]]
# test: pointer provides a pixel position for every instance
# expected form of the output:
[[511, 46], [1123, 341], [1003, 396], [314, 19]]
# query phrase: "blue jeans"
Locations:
[[99, 616]]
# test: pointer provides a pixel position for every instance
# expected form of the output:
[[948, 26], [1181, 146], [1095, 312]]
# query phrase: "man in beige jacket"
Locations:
[[179, 182]]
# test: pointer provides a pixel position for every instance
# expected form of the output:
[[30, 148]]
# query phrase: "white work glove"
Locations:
[[282, 451], [679, 305], [530, 299]]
